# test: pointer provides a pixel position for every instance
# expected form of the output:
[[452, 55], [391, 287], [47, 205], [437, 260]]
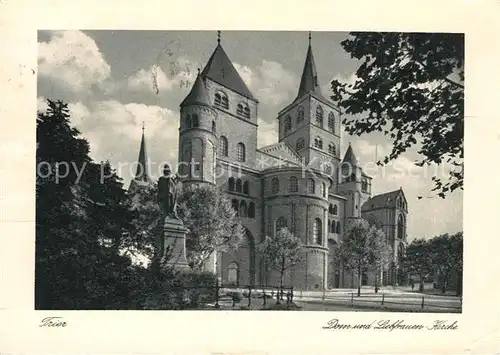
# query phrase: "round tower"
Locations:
[[197, 136]]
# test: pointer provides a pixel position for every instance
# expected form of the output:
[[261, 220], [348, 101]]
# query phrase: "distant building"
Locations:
[[269, 186]]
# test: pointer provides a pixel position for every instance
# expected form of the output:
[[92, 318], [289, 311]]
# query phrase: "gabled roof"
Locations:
[[198, 94], [283, 151], [220, 69], [387, 199]]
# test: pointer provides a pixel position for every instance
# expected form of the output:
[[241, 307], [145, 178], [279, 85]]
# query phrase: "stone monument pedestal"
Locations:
[[174, 244]]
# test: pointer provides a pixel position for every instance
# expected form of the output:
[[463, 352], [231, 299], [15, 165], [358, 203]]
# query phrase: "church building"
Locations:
[[302, 182]]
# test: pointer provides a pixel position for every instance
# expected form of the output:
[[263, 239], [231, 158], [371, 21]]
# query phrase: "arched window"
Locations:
[[251, 210], [217, 99], [240, 152], [225, 102], [195, 120], [232, 274], [300, 144], [323, 189], [331, 122], [275, 185], [311, 186], [221, 100], [300, 114], [317, 232], [401, 251], [338, 228], [364, 185], [280, 223], [213, 127], [288, 123], [319, 115], [243, 209], [335, 210], [318, 143], [332, 227], [401, 226], [353, 177], [188, 122], [245, 188], [235, 206], [293, 185], [330, 209], [243, 110], [223, 146], [186, 154], [230, 184], [238, 185], [331, 149]]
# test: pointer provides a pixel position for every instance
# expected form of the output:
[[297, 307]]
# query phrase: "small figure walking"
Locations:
[[412, 285]]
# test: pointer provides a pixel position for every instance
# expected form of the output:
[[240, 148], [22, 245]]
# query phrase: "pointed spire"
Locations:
[[350, 157], [142, 173], [220, 69], [309, 81], [198, 94]]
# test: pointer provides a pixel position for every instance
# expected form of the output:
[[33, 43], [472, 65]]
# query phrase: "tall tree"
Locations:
[[74, 269], [141, 242], [409, 86], [363, 248], [446, 257], [380, 255], [281, 252], [418, 259], [211, 221]]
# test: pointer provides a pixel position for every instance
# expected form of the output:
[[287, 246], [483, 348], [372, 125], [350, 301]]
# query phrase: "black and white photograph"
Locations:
[[249, 170]]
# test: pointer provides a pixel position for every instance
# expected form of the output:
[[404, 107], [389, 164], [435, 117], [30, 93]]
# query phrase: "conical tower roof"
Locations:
[[220, 69], [350, 157], [198, 94], [142, 173], [309, 80]]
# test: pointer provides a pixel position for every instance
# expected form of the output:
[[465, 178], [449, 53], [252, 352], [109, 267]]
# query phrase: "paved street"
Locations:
[[394, 300]]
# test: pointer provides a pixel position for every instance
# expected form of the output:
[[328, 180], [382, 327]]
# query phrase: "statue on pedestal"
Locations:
[[168, 192], [172, 242]]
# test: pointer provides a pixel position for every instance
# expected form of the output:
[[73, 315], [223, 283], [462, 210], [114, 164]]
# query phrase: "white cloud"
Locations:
[[178, 76], [41, 104], [72, 60], [114, 131], [269, 82], [267, 133]]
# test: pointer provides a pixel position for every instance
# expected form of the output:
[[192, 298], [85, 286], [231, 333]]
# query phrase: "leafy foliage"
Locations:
[[211, 222], [409, 86], [86, 227], [76, 214], [281, 252], [418, 259], [364, 248], [148, 220], [442, 254]]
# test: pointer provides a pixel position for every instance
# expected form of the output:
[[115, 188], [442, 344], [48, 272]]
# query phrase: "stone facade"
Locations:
[[301, 182]]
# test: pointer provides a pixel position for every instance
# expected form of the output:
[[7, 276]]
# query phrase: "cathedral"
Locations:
[[302, 182]]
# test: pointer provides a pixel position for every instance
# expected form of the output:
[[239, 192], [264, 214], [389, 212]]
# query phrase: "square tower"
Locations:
[[311, 123]]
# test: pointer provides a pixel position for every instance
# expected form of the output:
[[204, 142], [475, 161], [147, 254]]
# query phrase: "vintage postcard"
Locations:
[[176, 180]]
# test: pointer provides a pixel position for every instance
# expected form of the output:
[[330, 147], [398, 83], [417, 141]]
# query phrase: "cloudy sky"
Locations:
[[106, 77]]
